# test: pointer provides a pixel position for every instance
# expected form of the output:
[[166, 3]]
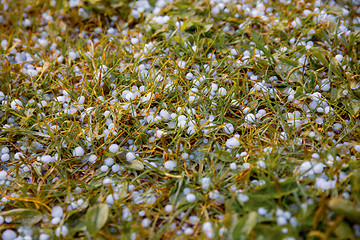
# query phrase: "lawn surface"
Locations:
[[176, 119]]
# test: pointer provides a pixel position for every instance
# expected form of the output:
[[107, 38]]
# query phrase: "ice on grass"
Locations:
[[104, 168], [109, 162], [5, 157], [168, 208], [130, 156], [170, 165], [8, 235], [57, 211], [232, 143], [190, 197], [324, 184], [242, 197], [16, 104], [78, 152], [114, 148], [228, 128], [55, 220], [357, 147], [250, 118], [145, 222], [208, 230]]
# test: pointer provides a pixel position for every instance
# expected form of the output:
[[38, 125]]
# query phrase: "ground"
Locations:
[[176, 119]]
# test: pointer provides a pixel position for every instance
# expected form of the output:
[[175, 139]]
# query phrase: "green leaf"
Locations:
[[278, 189], [344, 207], [222, 155], [96, 217], [355, 181], [24, 216], [287, 71], [269, 231], [344, 231], [259, 41], [244, 226], [320, 54], [353, 106], [136, 164]]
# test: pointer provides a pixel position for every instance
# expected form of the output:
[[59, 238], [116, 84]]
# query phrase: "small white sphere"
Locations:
[[55, 220], [130, 156], [170, 165], [57, 211], [78, 152], [190, 197], [8, 235], [168, 208], [104, 168], [92, 158], [109, 162], [114, 148], [250, 118], [5, 157], [233, 166]]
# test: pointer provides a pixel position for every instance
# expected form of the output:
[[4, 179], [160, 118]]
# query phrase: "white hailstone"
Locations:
[[43, 42], [181, 64], [281, 220], [8, 235], [246, 165], [222, 91], [8, 219], [130, 156], [55, 220], [114, 148], [44, 236], [261, 164], [357, 148], [250, 118], [164, 114], [63, 231], [324, 184], [228, 128], [159, 133], [109, 162], [190, 197], [233, 166], [242, 197], [104, 168], [78, 152], [57, 211], [142, 213], [145, 222], [116, 168], [170, 165], [262, 211], [16, 104], [168, 208], [339, 57], [134, 41], [111, 198], [191, 130], [232, 143], [208, 230], [181, 124], [72, 55], [92, 158], [233, 52], [243, 154], [1, 220], [188, 231], [5, 157]]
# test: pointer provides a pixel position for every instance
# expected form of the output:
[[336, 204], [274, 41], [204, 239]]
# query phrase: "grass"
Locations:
[[96, 74]]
